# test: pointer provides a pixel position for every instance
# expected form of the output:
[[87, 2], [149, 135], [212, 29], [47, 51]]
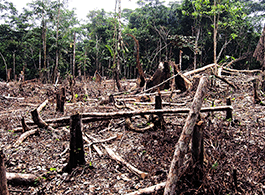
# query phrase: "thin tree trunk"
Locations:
[[181, 148], [4, 63], [14, 65], [196, 46], [214, 36], [40, 72], [74, 55], [57, 50]]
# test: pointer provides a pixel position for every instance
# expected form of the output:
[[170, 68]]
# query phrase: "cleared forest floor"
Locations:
[[228, 145]]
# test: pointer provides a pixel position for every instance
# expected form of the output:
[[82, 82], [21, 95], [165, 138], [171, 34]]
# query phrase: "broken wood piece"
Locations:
[[39, 109], [25, 135], [149, 190], [21, 178], [119, 159], [181, 148], [3, 178]]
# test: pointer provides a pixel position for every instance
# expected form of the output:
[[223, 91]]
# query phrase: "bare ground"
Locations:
[[229, 145]]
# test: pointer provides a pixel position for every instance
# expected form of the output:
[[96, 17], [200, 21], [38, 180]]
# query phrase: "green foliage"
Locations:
[[160, 30]]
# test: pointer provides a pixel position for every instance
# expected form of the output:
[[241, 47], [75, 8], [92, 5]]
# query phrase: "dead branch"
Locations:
[[227, 82], [130, 126], [119, 159], [102, 141], [21, 178], [94, 146], [182, 145], [25, 135], [242, 71], [149, 190]]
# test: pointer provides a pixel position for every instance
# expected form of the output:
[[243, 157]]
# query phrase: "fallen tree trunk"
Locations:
[[182, 145], [95, 116], [19, 178], [158, 111]]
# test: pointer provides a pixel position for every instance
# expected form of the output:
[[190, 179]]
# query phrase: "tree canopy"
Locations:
[[47, 38]]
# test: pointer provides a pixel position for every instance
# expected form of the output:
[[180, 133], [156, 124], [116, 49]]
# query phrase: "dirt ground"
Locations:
[[230, 146]]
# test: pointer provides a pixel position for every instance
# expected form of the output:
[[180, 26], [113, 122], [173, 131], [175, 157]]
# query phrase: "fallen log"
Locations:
[[158, 111], [94, 116], [149, 190], [21, 178], [181, 148]]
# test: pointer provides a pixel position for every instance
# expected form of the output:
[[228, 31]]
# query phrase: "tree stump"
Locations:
[[158, 105], [60, 100], [3, 180], [228, 112], [77, 156]]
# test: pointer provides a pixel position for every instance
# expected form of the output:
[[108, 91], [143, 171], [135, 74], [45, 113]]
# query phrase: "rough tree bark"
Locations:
[[3, 180], [182, 145], [77, 156]]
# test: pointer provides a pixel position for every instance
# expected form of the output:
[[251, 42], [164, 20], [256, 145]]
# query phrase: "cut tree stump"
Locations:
[[181, 148], [60, 100], [158, 105], [3, 180], [229, 112], [77, 156]]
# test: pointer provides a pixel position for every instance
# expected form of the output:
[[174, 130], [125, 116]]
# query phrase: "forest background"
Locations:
[[47, 38]]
